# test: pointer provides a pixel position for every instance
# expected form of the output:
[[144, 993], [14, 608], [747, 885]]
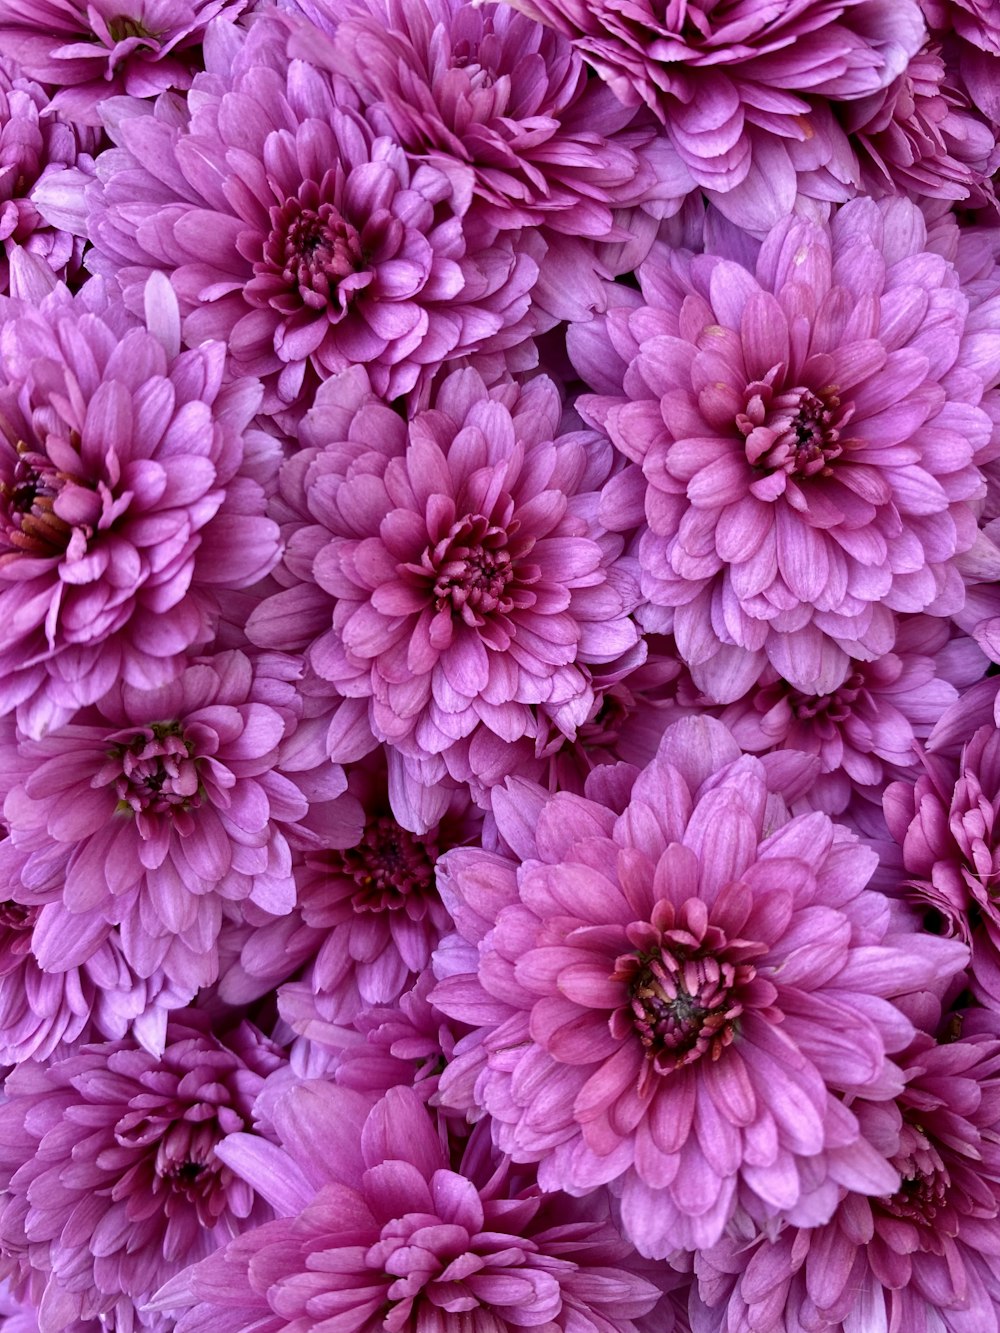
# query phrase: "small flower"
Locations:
[[93, 50], [110, 1166]]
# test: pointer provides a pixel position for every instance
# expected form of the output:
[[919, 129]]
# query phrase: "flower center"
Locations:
[[312, 249], [159, 772], [472, 569], [26, 505], [122, 27], [681, 1005], [834, 708], [925, 1186], [389, 866], [179, 1159], [796, 432]]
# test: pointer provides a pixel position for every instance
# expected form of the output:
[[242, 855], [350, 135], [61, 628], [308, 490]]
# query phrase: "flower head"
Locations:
[[313, 244], [380, 1228], [111, 1175], [808, 434], [124, 510], [668, 999], [93, 49], [459, 574]]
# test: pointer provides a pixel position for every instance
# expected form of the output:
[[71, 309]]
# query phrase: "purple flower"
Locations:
[[865, 732], [34, 147], [923, 1256], [668, 999], [124, 511], [111, 1172], [459, 575], [377, 1230], [161, 806], [92, 49], [808, 434], [947, 823], [295, 233], [742, 91], [549, 148]]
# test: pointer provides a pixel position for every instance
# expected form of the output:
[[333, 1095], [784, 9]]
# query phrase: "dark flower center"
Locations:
[[824, 710], [26, 505], [472, 568], [177, 1144], [926, 1184], [121, 27], [312, 248], [681, 1005], [797, 432], [389, 865], [159, 772]]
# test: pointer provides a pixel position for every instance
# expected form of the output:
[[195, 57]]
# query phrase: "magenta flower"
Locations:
[[295, 233], [742, 91], [865, 732], [947, 823], [925, 1256], [92, 49], [808, 436], [668, 999], [34, 147], [111, 1172], [458, 575], [377, 1230], [124, 508], [163, 805]]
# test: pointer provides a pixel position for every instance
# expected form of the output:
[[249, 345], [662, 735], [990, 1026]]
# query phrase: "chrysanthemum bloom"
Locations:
[[742, 91], [970, 32], [110, 1170], [164, 804], [548, 147], [808, 435], [948, 825], [457, 563], [866, 731], [123, 511], [668, 999], [295, 233], [919, 135], [376, 1230], [91, 49], [925, 1256], [33, 146], [367, 915]]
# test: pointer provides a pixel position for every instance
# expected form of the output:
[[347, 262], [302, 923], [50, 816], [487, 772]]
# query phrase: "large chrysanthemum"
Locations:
[[294, 232], [123, 511], [456, 565], [160, 806], [111, 1176], [808, 433], [925, 1257], [741, 88], [668, 999], [378, 1231], [92, 49]]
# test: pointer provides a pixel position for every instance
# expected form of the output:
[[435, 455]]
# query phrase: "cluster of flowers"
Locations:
[[500, 659]]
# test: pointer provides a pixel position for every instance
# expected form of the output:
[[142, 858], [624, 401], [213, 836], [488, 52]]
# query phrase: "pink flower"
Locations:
[[451, 574], [808, 434], [923, 1256], [124, 506], [378, 1230], [295, 233], [111, 1170], [93, 49], [743, 91], [161, 806], [668, 1000]]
